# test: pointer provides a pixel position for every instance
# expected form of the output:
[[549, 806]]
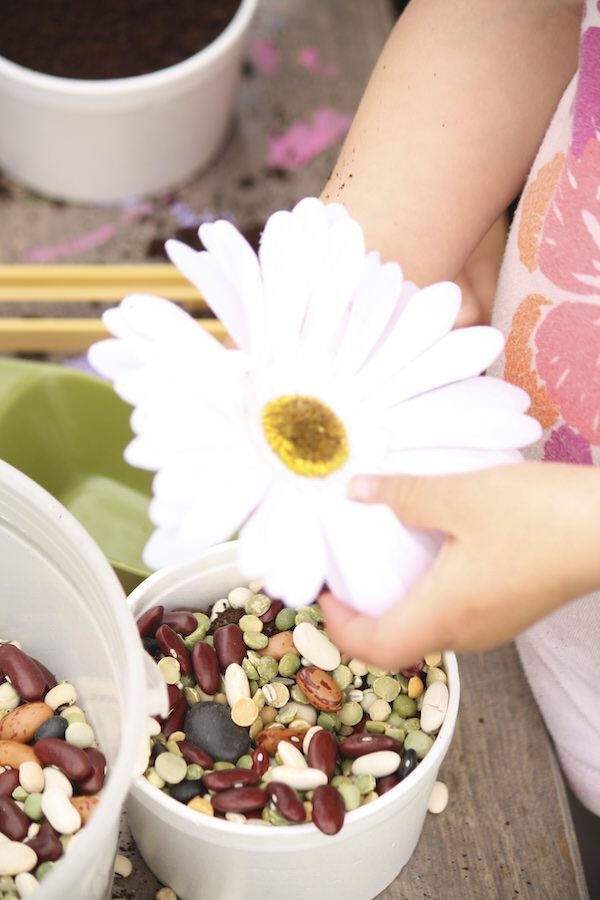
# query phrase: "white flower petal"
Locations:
[[460, 354], [143, 454], [373, 558], [217, 288], [427, 317], [444, 461], [111, 357], [283, 544], [486, 429], [164, 548], [479, 392], [335, 212], [373, 305]]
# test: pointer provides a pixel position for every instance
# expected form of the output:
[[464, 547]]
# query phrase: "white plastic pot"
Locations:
[[205, 858], [63, 602], [112, 139]]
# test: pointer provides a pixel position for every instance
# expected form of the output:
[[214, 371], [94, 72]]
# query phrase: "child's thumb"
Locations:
[[420, 502]]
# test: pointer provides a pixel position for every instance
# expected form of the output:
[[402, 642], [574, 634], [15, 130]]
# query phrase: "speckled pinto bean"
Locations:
[[286, 800], [322, 752], [194, 755], [85, 806], [13, 821], [25, 676], [174, 720], [230, 778], [172, 644], [320, 689], [229, 645], [21, 724], [360, 744], [9, 780], [149, 621], [240, 800], [13, 753], [205, 666], [181, 621], [328, 809], [268, 739], [72, 762], [95, 780]]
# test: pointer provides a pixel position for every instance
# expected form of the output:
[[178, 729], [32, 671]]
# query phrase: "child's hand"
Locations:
[[522, 540]]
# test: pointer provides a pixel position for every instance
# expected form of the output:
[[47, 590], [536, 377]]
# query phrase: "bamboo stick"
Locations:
[[44, 335]]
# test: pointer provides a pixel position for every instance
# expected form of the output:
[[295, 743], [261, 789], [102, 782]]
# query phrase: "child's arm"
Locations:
[[449, 125], [522, 541]]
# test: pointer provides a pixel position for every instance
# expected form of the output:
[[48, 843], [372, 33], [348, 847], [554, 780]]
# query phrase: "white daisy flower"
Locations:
[[341, 368]]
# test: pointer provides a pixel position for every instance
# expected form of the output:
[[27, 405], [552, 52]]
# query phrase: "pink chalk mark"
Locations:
[[304, 140], [264, 55], [88, 240], [309, 58]]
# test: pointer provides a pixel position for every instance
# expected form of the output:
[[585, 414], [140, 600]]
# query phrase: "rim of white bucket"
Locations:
[[106, 87], [224, 554]]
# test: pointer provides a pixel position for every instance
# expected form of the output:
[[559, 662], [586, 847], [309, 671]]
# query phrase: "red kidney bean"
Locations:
[[173, 694], [46, 846], [13, 821], [171, 644], [95, 780], [364, 742], [271, 613], [240, 799], [72, 762], [50, 678], [181, 622], [414, 669], [385, 784], [9, 780], [322, 752], [229, 645], [361, 725], [25, 675], [230, 778], [149, 621], [328, 809], [174, 721], [194, 755], [260, 760], [206, 667], [287, 802]]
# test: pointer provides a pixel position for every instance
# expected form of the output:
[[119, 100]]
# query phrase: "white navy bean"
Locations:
[[16, 857], [80, 734], [435, 706], [238, 597], [237, 686], [438, 799], [315, 646], [31, 777], [26, 884], [123, 866], [306, 779], [61, 695], [60, 812], [291, 756], [378, 764], [54, 778], [9, 697]]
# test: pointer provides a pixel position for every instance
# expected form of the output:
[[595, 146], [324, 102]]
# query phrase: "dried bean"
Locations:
[[72, 761], [194, 755], [94, 781], [260, 760], [328, 809], [320, 688], [287, 802], [185, 790], [322, 752], [25, 676], [149, 621], [13, 821], [176, 717], [229, 646], [240, 800], [181, 621], [360, 744], [269, 738], [13, 753], [49, 676], [205, 666], [9, 780], [408, 763], [46, 846], [386, 783], [54, 727], [272, 612], [172, 645], [230, 778]]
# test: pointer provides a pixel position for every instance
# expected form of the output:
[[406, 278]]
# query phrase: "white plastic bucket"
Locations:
[[112, 139], [205, 858], [63, 602]]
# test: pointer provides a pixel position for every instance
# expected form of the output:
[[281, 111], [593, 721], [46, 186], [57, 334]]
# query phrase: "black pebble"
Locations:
[[185, 790], [408, 763], [209, 726], [54, 727]]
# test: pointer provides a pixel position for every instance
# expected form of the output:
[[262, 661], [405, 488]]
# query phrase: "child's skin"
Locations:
[[445, 135]]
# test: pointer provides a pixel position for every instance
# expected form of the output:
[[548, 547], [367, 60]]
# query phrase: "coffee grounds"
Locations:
[[108, 38]]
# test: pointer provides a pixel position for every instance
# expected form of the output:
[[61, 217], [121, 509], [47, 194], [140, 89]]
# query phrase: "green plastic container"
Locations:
[[67, 430]]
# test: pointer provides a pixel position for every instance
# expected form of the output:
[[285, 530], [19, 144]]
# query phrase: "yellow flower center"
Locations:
[[306, 435]]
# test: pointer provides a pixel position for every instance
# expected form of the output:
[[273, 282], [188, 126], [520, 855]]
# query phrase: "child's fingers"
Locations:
[[420, 502]]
